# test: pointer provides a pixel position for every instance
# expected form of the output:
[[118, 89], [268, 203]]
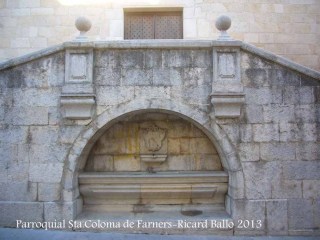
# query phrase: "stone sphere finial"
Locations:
[[223, 23], [83, 24]]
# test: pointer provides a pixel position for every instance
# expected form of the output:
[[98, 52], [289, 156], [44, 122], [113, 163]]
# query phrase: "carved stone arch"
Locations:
[[78, 154]]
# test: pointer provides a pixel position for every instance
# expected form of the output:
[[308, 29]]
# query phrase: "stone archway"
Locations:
[[153, 162], [78, 154]]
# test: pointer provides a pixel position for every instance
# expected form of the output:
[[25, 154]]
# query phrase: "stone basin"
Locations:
[[165, 188]]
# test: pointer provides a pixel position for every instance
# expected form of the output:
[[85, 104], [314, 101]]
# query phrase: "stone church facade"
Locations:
[[161, 130]]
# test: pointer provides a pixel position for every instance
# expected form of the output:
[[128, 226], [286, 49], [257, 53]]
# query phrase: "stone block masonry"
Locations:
[[267, 149]]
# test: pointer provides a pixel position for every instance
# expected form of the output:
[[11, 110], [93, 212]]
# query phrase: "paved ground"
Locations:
[[19, 234]]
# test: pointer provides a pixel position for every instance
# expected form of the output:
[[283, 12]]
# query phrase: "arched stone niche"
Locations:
[[151, 159], [79, 153]]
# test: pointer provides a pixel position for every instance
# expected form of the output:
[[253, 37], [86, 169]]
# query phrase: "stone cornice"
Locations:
[[160, 44]]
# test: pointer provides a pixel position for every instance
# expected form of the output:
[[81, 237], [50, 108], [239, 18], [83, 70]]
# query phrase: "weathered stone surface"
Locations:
[[49, 192], [107, 77], [254, 113], [289, 132], [300, 214], [259, 177], [161, 77], [265, 132], [277, 151], [18, 191], [18, 171], [308, 151], [290, 95], [68, 134], [277, 217], [286, 189], [275, 113], [153, 92], [301, 170], [249, 152], [27, 116], [43, 135], [136, 77], [13, 211], [14, 134], [253, 210], [306, 95], [60, 211], [305, 113], [246, 133], [126, 163], [263, 95], [34, 97], [255, 77], [114, 95], [196, 76], [311, 189], [45, 172], [47, 153], [177, 58], [283, 77]]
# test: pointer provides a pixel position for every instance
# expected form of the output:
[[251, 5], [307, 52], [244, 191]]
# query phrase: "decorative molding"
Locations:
[[227, 105], [77, 107]]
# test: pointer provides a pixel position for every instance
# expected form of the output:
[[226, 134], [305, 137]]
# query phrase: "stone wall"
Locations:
[[288, 27], [270, 151]]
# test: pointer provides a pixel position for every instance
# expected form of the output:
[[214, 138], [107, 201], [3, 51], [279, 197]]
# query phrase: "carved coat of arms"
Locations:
[[153, 137]]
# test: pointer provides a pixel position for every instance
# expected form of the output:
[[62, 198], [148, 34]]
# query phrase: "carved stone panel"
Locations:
[[79, 66], [153, 139], [153, 143], [227, 65]]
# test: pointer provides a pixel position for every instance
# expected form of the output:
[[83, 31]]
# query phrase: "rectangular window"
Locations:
[[153, 25]]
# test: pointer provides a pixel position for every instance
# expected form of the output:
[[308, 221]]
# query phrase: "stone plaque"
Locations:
[[78, 66], [226, 65]]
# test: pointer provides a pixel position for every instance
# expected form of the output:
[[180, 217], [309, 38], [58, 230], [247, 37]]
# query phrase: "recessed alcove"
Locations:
[[153, 162]]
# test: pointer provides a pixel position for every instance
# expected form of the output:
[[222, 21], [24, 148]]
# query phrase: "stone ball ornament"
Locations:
[[223, 23], [83, 24]]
